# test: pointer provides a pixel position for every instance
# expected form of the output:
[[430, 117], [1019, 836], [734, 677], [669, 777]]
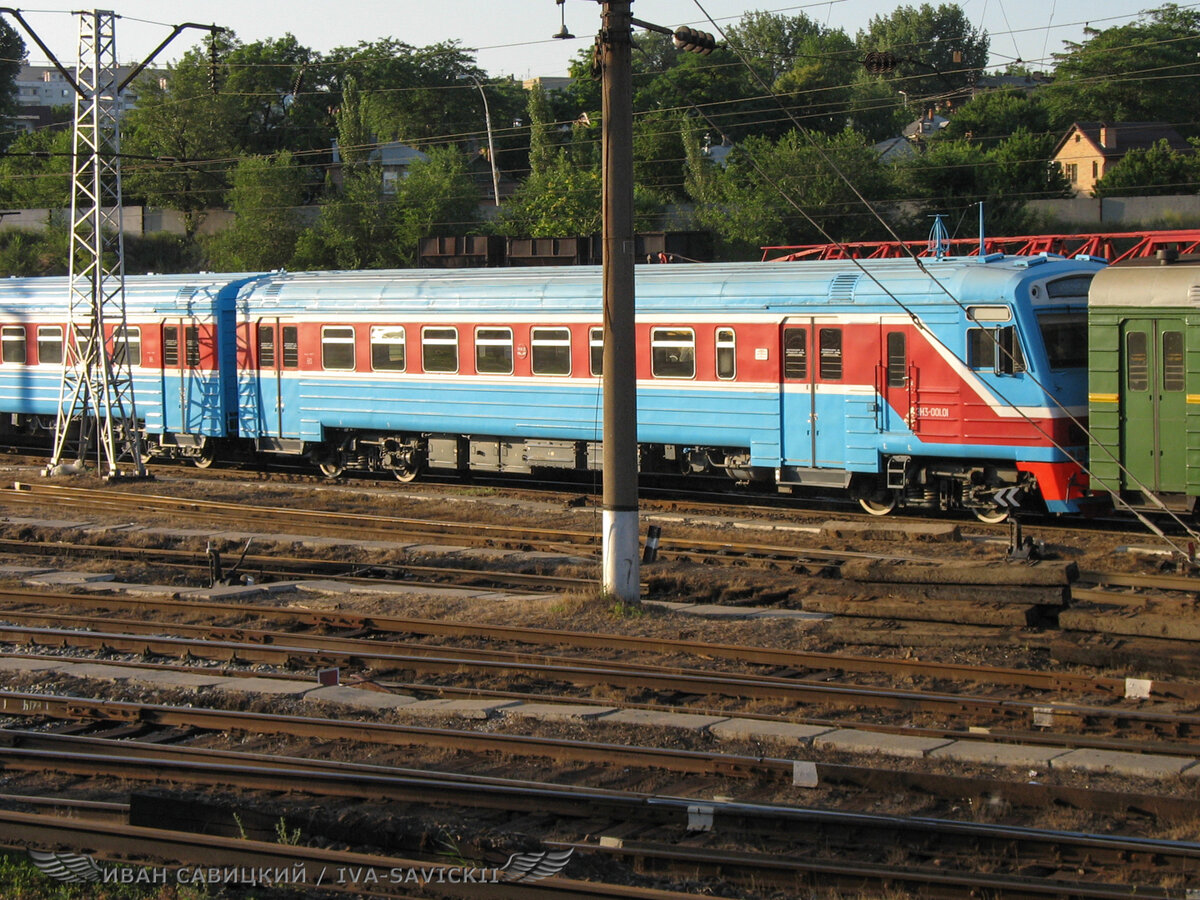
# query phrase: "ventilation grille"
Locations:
[[842, 286]]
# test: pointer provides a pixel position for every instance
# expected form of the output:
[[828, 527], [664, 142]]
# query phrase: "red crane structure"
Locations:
[[1114, 247]]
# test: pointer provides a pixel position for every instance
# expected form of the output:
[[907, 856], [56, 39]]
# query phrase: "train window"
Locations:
[[291, 347], [1075, 286], [897, 359], [191, 345], [170, 352], [726, 353], [596, 350], [1172, 361], [127, 346], [1137, 367], [439, 349], [493, 351], [795, 353], [550, 351], [989, 313], [266, 346], [673, 352], [1065, 337], [983, 353], [12, 344], [831, 354], [50, 343], [337, 347], [387, 348]]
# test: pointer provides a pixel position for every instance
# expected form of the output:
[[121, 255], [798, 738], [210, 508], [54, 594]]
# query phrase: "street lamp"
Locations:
[[487, 119]]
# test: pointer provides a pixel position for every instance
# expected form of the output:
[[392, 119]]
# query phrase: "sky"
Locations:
[[514, 37]]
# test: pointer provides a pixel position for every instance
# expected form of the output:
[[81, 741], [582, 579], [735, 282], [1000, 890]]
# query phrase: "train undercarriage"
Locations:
[[990, 491]]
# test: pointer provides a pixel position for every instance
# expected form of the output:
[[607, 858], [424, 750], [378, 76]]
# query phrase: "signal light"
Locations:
[[877, 63], [694, 41]]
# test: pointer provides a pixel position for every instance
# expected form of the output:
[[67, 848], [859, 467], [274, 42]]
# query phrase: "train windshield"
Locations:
[[1065, 337], [1064, 332]]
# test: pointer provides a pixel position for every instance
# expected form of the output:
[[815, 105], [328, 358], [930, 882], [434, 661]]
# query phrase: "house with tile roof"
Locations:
[[1090, 149]]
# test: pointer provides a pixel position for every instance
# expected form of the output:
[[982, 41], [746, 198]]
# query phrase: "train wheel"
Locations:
[[407, 473], [206, 458], [879, 503], [992, 515], [331, 469]]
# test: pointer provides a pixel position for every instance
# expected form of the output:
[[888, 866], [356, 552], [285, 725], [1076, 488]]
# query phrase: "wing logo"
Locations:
[[72, 868], [536, 866]]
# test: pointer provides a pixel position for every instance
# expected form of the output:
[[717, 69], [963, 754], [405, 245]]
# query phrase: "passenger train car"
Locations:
[[955, 385], [1144, 392]]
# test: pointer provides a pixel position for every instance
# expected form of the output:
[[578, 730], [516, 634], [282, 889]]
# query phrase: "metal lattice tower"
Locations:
[[96, 410]]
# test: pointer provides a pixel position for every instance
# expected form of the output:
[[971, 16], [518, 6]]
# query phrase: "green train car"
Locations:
[[1144, 380]]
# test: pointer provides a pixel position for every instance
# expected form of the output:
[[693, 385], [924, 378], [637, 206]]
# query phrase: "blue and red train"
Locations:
[[959, 384]]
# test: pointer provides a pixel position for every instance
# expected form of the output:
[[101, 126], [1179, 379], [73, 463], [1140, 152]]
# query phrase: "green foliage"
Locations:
[[800, 189], [925, 40], [560, 200], [12, 56], [186, 133], [265, 199], [35, 172], [353, 230], [33, 253], [21, 880], [992, 116], [1131, 73], [953, 176], [411, 94], [437, 196], [1153, 170]]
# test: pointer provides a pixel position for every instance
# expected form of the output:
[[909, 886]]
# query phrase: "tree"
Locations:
[[992, 116], [35, 172], [279, 97], [810, 68], [12, 56], [937, 51], [790, 191], [953, 176], [1141, 72], [185, 134], [1154, 170], [557, 200], [265, 198], [437, 196]]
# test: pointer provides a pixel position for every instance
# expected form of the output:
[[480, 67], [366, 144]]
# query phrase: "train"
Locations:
[[1144, 389], [956, 384]]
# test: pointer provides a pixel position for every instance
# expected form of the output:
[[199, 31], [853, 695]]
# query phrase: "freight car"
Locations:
[[952, 386], [1144, 391]]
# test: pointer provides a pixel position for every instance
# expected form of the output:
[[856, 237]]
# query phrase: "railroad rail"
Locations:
[[958, 845], [793, 662]]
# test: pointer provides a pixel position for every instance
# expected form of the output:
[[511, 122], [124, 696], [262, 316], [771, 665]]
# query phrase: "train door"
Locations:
[[183, 396], [895, 381], [270, 377], [1153, 405], [798, 395]]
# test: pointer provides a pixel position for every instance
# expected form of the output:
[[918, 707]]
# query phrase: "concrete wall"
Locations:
[[1131, 213]]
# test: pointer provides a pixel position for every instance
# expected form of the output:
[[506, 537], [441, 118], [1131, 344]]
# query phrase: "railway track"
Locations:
[[956, 846], [418, 656]]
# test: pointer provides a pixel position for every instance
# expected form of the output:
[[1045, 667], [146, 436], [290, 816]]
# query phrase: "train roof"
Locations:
[[1148, 282], [715, 286]]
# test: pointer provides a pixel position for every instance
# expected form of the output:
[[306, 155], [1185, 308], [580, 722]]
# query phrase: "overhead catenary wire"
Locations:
[[999, 349]]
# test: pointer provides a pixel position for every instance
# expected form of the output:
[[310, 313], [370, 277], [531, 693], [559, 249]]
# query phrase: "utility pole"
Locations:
[[96, 404], [620, 565], [614, 57]]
